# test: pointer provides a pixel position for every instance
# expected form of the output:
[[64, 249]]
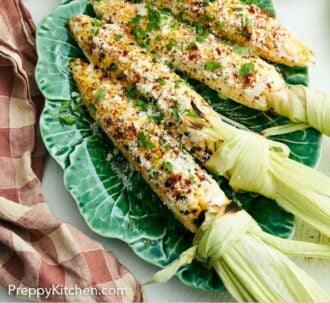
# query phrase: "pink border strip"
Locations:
[[165, 316]]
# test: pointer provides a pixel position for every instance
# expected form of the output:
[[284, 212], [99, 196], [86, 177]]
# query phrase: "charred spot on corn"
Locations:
[[198, 112], [232, 207], [195, 123], [201, 218], [171, 181]]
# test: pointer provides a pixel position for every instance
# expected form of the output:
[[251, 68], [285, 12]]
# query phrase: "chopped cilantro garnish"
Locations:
[[220, 25], [161, 81], [191, 177], [131, 92], [155, 18], [141, 104], [246, 69], [170, 44], [176, 113], [202, 33], [156, 118], [208, 18], [99, 95], [139, 34], [174, 25], [113, 67], [155, 173], [98, 23], [145, 140], [240, 50], [247, 23], [199, 28], [191, 45], [168, 166], [135, 20], [118, 37], [212, 66]]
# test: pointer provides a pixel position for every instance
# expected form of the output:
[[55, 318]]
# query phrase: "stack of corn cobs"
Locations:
[[173, 137]]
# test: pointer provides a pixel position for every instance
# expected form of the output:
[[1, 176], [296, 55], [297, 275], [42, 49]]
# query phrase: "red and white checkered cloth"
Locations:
[[38, 250]]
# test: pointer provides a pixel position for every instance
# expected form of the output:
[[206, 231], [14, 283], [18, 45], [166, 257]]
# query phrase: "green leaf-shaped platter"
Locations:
[[113, 199]]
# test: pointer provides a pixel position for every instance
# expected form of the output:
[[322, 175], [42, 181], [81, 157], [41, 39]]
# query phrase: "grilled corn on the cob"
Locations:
[[230, 70], [244, 24], [186, 189], [252, 162], [228, 238], [205, 59]]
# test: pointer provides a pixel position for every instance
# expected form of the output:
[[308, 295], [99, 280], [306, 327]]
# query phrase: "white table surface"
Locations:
[[311, 21]]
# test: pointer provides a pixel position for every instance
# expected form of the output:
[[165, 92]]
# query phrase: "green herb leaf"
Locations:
[[156, 118], [155, 18], [191, 45], [199, 29], [118, 37], [135, 20], [99, 95], [220, 25], [145, 140], [246, 69], [191, 177], [176, 113], [247, 23], [139, 34], [240, 50], [208, 18], [141, 104], [170, 45], [131, 92], [113, 67], [168, 166], [202, 33], [161, 81], [212, 66], [98, 23]]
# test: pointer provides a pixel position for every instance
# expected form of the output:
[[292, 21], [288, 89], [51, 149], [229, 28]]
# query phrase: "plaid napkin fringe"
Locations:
[[37, 250]]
